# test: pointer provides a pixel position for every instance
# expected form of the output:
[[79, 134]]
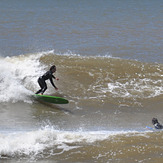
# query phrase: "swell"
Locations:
[[107, 79], [97, 79]]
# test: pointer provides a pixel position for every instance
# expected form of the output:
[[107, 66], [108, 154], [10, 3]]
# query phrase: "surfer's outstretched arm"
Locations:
[[51, 80]]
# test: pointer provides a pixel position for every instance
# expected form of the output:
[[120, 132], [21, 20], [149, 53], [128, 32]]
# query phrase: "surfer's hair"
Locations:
[[53, 68], [154, 121]]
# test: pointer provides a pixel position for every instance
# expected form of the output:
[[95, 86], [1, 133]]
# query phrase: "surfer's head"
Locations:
[[53, 68], [154, 121]]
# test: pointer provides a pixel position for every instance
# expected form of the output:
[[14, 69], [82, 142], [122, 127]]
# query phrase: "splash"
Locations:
[[18, 77], [49, 140]]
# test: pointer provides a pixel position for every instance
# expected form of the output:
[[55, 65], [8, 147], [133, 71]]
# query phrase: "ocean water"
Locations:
[[109, 59]]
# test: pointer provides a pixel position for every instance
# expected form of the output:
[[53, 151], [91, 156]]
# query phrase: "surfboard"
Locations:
[[150, 128], [52, 99]]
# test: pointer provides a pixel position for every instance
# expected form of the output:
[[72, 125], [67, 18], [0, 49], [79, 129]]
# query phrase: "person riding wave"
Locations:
[[156, 124], [46, 76]]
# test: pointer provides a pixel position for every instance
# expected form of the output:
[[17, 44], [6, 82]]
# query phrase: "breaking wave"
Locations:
[[100, 79]]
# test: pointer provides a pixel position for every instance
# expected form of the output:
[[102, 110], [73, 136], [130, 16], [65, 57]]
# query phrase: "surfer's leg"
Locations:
[[38, 91], [44, 88], [41, 84]]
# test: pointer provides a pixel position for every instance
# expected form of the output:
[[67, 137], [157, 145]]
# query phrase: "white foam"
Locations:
[[140, 88], [32, 143], [18, 77]]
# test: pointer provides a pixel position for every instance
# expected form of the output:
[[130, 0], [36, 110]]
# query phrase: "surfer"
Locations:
[[156, 124], [46, 76]]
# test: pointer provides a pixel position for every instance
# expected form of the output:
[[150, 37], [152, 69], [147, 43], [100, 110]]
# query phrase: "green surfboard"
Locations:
[[52, 99]]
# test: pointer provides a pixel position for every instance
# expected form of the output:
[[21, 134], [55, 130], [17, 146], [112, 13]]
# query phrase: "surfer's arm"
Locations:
[[55, 77], [51, 80]]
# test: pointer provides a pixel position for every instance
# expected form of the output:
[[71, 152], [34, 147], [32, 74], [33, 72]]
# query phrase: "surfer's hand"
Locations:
[[56, 88], [57, 78]]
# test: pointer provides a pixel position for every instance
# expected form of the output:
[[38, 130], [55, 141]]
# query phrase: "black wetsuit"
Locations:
[[42, 83], [158, 126]]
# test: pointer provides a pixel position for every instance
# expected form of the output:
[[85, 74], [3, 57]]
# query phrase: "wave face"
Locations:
[[105, 79], [100, 79]]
